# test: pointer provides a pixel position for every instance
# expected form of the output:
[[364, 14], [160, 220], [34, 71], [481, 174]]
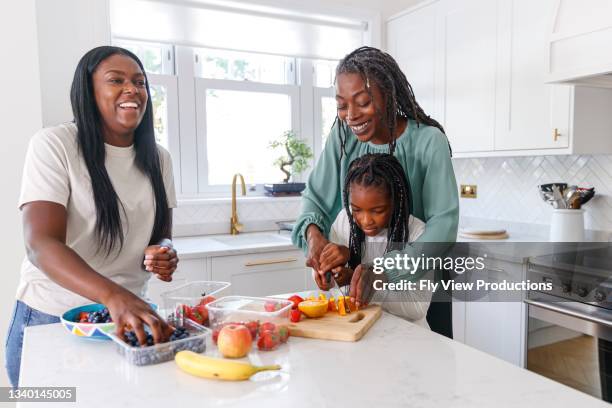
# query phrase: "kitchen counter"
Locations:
[[396, 364], [222, 245]]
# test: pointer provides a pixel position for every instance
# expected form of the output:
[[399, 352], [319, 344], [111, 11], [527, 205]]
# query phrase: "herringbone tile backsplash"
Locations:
[[507, 187]]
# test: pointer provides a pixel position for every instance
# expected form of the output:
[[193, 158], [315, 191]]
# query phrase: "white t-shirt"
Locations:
[[409, 304], [55, 171]]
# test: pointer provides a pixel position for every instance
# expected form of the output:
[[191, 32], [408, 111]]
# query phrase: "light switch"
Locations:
[[468, 190]]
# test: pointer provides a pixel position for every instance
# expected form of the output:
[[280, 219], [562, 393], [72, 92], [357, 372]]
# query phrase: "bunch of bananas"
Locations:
[[217, 368]]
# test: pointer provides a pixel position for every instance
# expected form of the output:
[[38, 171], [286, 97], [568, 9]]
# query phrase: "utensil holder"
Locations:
[[567, 226]]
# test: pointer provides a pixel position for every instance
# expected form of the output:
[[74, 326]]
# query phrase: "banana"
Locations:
[[217, 368]]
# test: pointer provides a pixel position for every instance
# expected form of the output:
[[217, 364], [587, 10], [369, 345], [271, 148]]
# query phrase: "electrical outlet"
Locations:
[[468, 190]]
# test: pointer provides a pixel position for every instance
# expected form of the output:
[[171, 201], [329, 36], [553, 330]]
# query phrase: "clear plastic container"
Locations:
[[189, 294], [158, 353], [243, 309]]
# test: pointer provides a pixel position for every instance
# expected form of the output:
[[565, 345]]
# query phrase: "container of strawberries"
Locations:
[[190, 302], [265, 319]]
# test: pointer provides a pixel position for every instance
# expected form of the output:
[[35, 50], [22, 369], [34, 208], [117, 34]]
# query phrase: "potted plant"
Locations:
[[292, 164]]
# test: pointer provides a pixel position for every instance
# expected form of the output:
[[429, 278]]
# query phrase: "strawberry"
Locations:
[[253, 327], [268, 340], [283, 332], [296, 301], [83, 317], [206, 300], [270, 306], [195, 316], [266, 326], [203, 311], [295, 315]]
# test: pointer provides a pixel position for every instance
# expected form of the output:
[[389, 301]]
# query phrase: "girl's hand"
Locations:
[[161, 260], [333, 256], [342, 275], [129, 311], [361, 290]]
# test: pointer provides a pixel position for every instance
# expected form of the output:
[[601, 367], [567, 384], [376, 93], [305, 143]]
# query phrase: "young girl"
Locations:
[[375, 220]]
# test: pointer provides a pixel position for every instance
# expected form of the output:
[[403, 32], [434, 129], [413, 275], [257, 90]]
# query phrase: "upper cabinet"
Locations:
[[465, 57], [489, 61]]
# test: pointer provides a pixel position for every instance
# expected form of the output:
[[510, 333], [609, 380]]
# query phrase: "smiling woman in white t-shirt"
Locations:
[[96, 199]]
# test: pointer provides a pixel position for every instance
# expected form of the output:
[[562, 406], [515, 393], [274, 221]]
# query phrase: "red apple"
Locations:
[[234, 341]]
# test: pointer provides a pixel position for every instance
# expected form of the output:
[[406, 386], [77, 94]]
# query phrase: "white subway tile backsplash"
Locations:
[[507, 187]]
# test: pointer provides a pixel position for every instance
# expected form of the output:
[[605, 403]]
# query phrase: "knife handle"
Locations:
[[328, 276]]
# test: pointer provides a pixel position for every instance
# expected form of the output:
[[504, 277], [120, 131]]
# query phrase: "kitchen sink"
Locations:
[[242, 240]]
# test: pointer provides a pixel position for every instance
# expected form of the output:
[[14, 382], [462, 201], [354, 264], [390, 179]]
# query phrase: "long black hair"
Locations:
[[91, 145], [383, 171], [379, 67]]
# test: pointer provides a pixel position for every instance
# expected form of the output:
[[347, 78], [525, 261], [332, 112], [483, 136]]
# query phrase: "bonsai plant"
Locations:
[[292, 164]]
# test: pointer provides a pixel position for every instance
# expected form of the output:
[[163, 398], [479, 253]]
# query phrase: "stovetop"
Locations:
[[583, 276]]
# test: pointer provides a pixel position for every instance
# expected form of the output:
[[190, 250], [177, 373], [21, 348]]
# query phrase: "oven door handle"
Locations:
[[568, 312]]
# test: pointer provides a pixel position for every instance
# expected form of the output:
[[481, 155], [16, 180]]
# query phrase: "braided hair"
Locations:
[[380, 68], [383, 171]]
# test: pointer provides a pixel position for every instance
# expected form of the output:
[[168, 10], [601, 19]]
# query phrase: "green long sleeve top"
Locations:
[[424, 154]]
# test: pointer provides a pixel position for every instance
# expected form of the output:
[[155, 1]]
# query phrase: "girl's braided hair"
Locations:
[[383, 171]]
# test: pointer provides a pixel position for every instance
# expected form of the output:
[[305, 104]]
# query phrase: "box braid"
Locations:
[[383, 171], [379, 67]]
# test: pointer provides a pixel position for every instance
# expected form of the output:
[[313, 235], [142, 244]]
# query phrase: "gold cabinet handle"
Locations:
[[556, 134], [270, 261]]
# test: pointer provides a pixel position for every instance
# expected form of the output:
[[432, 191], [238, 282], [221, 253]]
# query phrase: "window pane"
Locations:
[[240, 127], [159, 99], [240, 66], [328, 115], [324, 72], [151, 55]]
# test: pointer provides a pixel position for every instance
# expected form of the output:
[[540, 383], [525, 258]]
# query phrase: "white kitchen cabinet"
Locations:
[[263, 274], [465, 56], [494, 324], [529, 113], [489, 90], [416, 58]]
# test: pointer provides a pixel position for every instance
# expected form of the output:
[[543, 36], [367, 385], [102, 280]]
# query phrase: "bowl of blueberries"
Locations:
[[91, 321]]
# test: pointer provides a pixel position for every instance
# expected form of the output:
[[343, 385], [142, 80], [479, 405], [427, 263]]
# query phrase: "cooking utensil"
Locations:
[[574, 201], [548, 187], [558, 201], [568, 192], [586, 194]]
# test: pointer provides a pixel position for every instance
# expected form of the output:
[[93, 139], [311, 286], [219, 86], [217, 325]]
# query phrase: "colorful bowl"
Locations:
[[89, 330]]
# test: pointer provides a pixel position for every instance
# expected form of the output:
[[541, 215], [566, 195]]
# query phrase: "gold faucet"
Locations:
[[236, 227]]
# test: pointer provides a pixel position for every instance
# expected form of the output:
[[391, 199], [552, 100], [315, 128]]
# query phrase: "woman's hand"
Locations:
[[333, 256], [129, 311], [161, 260], [316, 244], [342, 275]]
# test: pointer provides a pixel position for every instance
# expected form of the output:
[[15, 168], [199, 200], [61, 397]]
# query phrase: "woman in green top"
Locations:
[[378, 113]]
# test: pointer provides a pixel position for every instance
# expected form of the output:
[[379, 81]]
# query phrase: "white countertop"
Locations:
[[222, 245], [396, 364]]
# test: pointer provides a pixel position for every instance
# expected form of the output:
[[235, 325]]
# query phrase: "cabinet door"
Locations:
[[411, 41], [495, 324], [466, 54], [530, 113], [262, 274]]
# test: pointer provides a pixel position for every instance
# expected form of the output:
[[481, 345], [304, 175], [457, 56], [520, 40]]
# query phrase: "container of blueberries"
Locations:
[[189, 336]]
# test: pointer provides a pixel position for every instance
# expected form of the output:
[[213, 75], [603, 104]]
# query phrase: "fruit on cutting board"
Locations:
[[295, 315], [234, 341], [217, 368], [313, 308], [296, 299]]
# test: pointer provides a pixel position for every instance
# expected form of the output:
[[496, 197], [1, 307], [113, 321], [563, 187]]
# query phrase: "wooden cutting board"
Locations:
[[332, 326]]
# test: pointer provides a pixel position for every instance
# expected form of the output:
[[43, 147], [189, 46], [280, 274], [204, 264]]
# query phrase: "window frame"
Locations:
[[204, 84]]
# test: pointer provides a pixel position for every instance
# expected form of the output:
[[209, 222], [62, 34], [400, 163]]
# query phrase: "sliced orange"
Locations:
[[313, 308]]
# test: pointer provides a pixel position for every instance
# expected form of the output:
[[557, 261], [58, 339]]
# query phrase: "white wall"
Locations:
[[20, 117]]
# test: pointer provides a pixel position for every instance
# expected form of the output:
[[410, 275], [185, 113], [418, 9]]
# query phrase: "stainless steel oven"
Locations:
[[569, 335]]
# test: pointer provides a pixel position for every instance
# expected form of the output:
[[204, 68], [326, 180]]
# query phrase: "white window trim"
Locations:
[[174, 141], [201, 85]]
